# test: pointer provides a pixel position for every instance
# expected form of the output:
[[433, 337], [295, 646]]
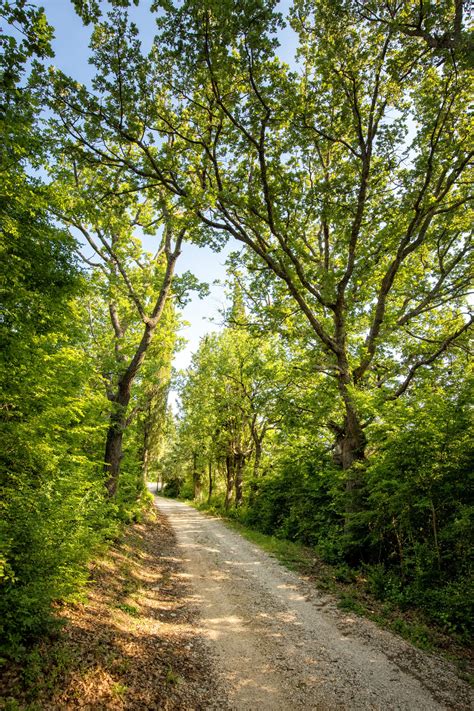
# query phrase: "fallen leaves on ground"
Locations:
[[133, 644]]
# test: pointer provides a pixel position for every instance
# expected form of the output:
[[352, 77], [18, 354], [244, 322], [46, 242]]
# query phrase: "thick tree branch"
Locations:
[[427, 360]]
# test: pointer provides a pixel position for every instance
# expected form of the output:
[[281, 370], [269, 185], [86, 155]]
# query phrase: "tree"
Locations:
[[137, 286], [231, 400], [153, 408], [199, 431], [441, 25], [347, 179]]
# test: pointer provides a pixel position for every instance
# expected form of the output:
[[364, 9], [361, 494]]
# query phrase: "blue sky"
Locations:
[[71, 56]]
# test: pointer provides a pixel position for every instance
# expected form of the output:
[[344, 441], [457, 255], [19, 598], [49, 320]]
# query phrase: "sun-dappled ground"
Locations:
[[130, 645], [282, 644], [184, 614]]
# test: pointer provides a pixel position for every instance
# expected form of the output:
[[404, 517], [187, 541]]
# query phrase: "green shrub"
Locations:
[[173, 487], [52, 520], [300, 502]]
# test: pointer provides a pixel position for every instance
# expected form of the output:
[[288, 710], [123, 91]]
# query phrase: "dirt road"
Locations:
[[279, 644]]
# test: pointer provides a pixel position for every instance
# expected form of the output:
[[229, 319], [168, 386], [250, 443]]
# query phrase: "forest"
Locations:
[[332, 404]]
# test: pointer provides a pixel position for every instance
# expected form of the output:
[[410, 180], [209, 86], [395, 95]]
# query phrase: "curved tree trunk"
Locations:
[[121, 397]]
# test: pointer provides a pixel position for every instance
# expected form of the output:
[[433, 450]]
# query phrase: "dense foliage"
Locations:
[[333, 407], [411, 531], [61, 358]]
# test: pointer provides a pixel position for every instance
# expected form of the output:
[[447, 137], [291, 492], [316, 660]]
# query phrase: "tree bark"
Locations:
[[117, 426], [196, 479], [230, 474], [118, 418], [209, 496], [121, 397], [113, 449], [258, 456], [146, 445], [350, 442], [256, 468], [239, 470], [350, 451]]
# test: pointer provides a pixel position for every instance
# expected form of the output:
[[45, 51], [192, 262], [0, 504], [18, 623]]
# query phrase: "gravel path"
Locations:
[[279, 644]]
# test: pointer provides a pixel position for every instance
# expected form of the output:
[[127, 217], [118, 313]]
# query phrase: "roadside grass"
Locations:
[[350, 589]]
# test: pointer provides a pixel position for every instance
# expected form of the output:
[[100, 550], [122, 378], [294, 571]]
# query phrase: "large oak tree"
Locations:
[[346, 177]]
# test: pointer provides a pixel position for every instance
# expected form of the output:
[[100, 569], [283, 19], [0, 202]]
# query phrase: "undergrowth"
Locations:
[[363, 591]]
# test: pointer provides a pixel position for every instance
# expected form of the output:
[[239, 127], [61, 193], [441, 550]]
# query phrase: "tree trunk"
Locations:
[[258, 456], [256, 469], [113, 450], [121, 398], [145, 464], [210, 482], [239, 470], [350, 451], [118, 418], [117, 426], [230, 474], [146, 445], [350, 443], [196, 479]]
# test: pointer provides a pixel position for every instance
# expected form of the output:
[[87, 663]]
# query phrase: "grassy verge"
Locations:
[[350, 589]]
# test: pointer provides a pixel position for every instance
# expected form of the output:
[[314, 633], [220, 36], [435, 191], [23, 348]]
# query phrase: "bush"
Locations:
[[52, 520], [300, 503], [173, 487], [418, 511]]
